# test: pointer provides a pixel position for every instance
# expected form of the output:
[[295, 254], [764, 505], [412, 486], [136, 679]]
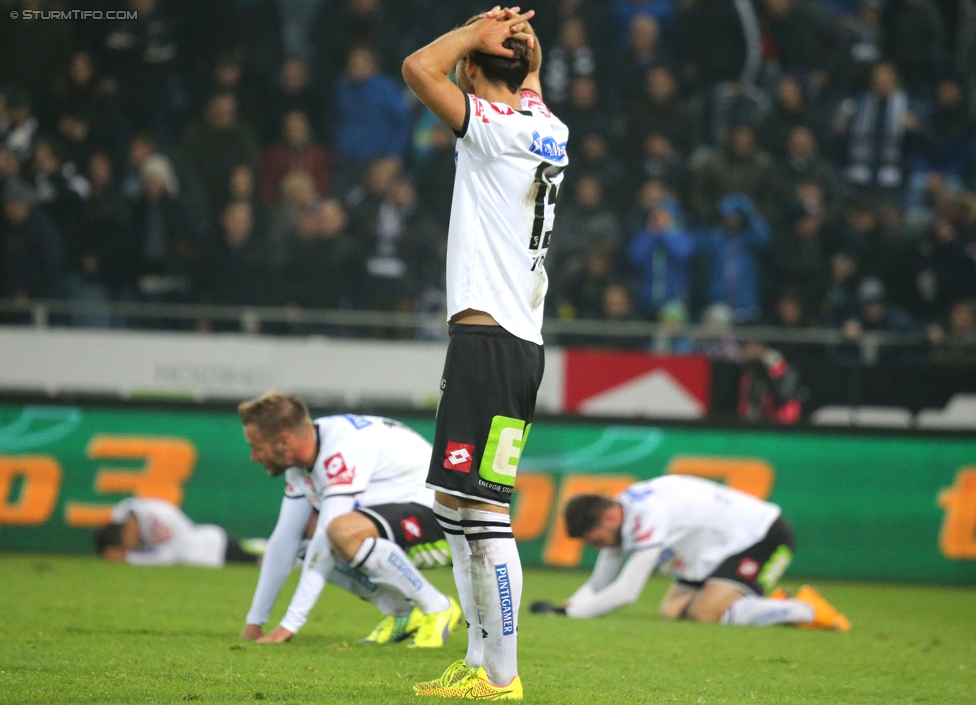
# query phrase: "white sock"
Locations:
[[385, 599], [386, 563], [762, 612], [450, 521], [496, 574]]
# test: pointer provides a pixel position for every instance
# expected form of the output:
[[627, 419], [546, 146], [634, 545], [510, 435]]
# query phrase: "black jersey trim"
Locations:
[[467, 117]]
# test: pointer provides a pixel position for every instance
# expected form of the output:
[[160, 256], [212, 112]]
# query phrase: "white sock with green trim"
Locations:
[[762, 612], [496, 574], [386, 563], [450, 521]]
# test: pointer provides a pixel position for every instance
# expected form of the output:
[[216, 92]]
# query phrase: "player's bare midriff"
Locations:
[[473, 317]]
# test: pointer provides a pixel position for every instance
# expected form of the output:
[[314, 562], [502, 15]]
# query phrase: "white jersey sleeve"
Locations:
[[279, 556], [168, 536]]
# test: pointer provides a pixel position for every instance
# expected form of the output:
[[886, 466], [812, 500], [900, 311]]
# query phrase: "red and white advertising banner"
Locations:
[[604, 383]]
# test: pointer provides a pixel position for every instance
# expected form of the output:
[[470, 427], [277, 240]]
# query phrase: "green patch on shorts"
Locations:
[[503, 449], [775, 567]]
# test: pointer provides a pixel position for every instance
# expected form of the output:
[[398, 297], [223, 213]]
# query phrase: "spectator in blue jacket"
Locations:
[[732, 251], [372, 119], [660, 252]]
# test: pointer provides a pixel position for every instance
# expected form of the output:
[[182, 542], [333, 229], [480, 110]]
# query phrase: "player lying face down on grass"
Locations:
[[726, 550], [364, 478], [147, 531]]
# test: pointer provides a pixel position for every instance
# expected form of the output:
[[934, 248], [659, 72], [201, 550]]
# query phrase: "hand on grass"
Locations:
[[252, 632], [276, 636], [546, 607]]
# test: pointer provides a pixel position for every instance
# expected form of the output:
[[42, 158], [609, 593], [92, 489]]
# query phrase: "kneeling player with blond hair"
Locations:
[[363, 476], [725, 548]]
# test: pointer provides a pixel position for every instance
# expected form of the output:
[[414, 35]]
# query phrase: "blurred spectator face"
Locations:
[[595, 147], [16, 211], [778, 8], [402, 194], [100, 171], [884, 80], [617, 305], [658, 146], [227, 73], [154, 187], [298, 190], [962, 319], [361, 64], [45, 160], [294, 75], [660, 84], [81, 70], [597, 262], [644, 34], [660, 219], [8, 164], [842, 267], [801, 144], [742, 141], [807, 226], [588, 193], [752, 350], [949, 94], [790, 95], [296, 129], [789, 310], [222, 112], [74, 128], [810, 195], [333, 217], [381, 173], [242, 183], [649, 194], [441, 137], [861, 218], [583, 93], [143, 6], [238, 224], [572, 35], [140, 149]]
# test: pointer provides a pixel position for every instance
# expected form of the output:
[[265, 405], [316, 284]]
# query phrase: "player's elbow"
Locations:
[[412, 70]]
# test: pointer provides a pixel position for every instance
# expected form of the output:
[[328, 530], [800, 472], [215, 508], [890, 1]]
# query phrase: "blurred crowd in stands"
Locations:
[[791, 163]]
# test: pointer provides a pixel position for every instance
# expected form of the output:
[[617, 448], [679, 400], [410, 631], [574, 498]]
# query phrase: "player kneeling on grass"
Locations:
[[725, 548], [146, 531], [364, 476]]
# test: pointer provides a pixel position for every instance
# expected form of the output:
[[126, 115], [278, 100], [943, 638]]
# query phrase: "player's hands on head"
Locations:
[[499, 24], [546, 607], [276, 636], [252, 632]]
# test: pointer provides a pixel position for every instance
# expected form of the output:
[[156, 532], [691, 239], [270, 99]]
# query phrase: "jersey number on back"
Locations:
[[546, 175]]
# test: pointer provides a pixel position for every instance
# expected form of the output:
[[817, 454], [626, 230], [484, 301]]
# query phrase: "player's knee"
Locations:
[[344, 536], [703, 613]]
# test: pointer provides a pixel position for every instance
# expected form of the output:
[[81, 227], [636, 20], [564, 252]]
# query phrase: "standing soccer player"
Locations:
[[511, 153]]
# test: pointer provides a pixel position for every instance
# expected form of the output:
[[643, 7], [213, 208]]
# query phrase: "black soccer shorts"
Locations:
[[414, 528], [488, 393], [757, 569]]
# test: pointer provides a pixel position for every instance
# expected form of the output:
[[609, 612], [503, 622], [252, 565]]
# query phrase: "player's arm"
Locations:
[[427, 71], [164, 554], [279, 557], [319, 560], [621, 592]]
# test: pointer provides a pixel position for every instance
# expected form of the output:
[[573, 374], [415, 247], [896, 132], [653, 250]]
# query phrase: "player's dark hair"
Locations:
[[273, 413], [583, 512], [503, 69], [108, 536]]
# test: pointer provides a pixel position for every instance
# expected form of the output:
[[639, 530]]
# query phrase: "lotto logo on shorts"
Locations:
[[458, 456], [748, 568], [411, 528]]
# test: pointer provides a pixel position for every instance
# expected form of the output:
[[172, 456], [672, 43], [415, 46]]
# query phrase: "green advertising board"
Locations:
[[863, 506]]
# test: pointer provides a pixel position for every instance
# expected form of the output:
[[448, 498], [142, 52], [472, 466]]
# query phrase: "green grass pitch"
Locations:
[[80, 631]]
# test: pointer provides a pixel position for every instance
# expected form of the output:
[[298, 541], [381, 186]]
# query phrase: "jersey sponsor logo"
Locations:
[[353, 574], [357, 421], [479, 109], [411, 528], [640, 534], [533, 102], [547, 147], [502, 109], [505, 598], [458, 456], [336, 470], [748, 568]]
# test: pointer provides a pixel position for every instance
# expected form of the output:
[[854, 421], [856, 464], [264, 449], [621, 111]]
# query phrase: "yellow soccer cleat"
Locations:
[[825, 615], [435, 627], [393, 629], [455, 673], [477, 687]]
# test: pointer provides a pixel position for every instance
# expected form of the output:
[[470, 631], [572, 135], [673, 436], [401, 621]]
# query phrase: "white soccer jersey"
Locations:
[[695, 523], [169, 537], [509, 167], [377, 460]]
